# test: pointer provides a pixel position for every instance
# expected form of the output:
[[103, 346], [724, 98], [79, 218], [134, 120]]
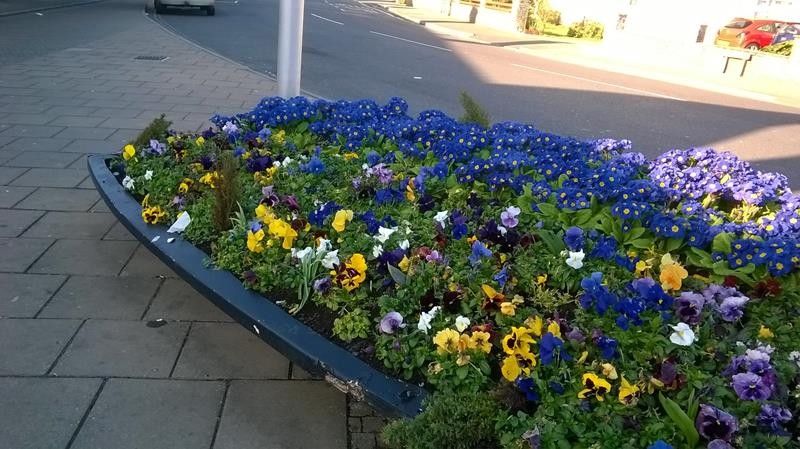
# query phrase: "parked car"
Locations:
[[752, 34], [206, 5]]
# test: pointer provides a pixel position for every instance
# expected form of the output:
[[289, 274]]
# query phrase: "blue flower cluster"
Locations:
[[671, 195]]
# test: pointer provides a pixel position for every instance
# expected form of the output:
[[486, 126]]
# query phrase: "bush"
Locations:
[[473, 112], [157, 129], [451, 421], [551, 16], [783, 49], [586, 29]]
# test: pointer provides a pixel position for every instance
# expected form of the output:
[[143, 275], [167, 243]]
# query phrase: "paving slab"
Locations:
[[102, 297], [152, 414], [14, 222], [72, 225], [37, 144], [8, 154], [30, 346], [8, 174], [42, 413], [17, 254], [178, 301], [122, 349], [118, 232], [87, 257], [228, 351], [50, 177], [144, 263], [11, 195], [23, 295], [42, 159], [33, 131], [277, 414], [46, 198], [75, 132], [91, 146]]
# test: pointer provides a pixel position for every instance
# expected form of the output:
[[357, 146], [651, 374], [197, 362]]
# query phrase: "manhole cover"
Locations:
[[151, 58]]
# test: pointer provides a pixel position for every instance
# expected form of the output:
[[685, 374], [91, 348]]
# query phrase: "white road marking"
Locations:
[[410, 41], [417, 77], [588, 80], [327, 19]]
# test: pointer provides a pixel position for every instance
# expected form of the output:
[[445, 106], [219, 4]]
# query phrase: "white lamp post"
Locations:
[[290, 47]]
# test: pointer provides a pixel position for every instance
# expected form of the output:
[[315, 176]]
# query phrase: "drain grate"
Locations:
[[151, 58]]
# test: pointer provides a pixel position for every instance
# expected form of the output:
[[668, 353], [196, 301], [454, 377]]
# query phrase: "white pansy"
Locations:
[[462, 323], [330, 259], [302, 254], [377, 250], [286, 161], [128, 183], [323, 246], [148, 175], [575, 259], [404, 244], [425, 319], [365, 166], [683, 335], [384, 234], [794, 356], [502, 230], [441, 218]]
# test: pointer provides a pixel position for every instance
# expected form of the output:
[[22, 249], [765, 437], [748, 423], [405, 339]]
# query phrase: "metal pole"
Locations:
[[290, 47]]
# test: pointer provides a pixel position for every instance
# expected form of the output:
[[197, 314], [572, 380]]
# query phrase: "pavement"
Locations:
[[697, 66], [103, 346]]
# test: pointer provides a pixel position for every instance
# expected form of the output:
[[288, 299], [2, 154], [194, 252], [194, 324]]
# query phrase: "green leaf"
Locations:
[[699, 258], [634, 234], [462, 372], [548, 210], [398, 276], [722, 242], [552, 241], [681, 419], [643, 243], [673, 244], [583, 217]]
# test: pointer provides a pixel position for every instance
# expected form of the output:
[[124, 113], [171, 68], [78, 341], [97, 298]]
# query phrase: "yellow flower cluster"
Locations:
[[450, 341], [210, 179], [265, 178], [340, 220], [185, 185], [276, 227], [672, 273], [254, 240], [594, 385], [128, 152], [517, 346]]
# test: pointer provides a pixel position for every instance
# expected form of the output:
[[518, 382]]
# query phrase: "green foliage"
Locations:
[[473, 112], [450, 421], [201, 230], [226, 192], [352, 325], [586, 29], [783, 49], [157, 129]]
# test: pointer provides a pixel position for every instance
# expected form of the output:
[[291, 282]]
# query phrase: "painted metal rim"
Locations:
[[299, 343]]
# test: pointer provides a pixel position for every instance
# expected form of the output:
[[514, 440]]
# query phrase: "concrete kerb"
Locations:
[[48, 8], [268, 75], [441, 29]]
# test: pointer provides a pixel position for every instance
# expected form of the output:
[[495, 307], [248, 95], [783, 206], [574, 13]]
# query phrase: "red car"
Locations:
[[752, 34]]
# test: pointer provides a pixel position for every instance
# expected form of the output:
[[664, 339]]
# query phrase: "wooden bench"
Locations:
[[745, 57]]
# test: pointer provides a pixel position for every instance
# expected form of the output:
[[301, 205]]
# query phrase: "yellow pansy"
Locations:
[[518, 341], [185, 185], [554, 329], [153, 215], [515, 365], [541, 279], [481, 341], [627, 392], [404, 264], [128, 152], [340, 220], [765, 333], [410, 196], [200, 141], [265, 214], [281, 229], [210, 179], [583, 357], [352, 273], [254, 240], [594, 385], [535, 324], [350, 156], [609, 371], [446, 341]]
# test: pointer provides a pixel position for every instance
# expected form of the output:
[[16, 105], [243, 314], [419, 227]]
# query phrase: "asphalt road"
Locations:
[[355, 50]]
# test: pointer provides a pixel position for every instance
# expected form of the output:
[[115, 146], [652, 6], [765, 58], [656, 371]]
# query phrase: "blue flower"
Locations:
[[551, 346], [528, 387], [573, 238], [660, 444], [608, 347], [479, 251], [501, 277]]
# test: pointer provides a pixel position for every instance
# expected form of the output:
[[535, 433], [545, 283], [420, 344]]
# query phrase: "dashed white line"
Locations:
[[602, 83], [410, 41], [327, 19]]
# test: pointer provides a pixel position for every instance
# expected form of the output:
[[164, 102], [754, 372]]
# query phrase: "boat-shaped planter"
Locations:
[[271, 323]]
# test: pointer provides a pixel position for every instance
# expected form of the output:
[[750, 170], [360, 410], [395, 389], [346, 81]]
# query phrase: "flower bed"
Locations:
[[553, 293]]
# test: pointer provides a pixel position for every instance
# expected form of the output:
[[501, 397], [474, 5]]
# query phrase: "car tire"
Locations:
[[752, 47], [210, 11], [160, 9]]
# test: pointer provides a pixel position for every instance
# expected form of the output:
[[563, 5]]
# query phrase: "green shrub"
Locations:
[[586, 29], [450, 421], [551, 16], [473, 112], [201, 230], [783, 49], [156, 130]]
